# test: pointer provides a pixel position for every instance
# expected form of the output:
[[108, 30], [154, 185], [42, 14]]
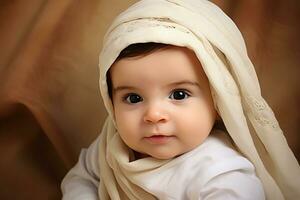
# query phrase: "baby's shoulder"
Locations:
[[217, 155], [219, 165]]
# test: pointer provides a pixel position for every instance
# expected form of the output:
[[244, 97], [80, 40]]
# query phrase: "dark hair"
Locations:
[[134, 50]]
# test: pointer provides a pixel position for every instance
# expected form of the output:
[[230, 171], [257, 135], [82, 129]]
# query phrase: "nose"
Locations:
[[155, 114]]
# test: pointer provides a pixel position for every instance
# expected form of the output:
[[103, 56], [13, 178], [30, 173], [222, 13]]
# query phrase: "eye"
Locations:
[[179, 95], [133, 98]]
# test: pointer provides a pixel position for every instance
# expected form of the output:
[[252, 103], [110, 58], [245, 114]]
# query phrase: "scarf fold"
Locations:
[[219, 46]]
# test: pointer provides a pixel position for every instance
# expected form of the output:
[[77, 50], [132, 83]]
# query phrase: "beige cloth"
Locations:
[[204, 28]]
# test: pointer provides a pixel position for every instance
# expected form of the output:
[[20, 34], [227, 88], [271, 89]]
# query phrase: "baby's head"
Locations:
[[161, 99]]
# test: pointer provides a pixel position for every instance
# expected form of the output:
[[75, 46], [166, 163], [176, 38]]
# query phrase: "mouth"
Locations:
[[159, 139]]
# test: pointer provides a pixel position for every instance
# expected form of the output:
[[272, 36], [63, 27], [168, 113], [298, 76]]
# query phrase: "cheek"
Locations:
[[199, 119], [126, 122], [195, 130], [128, 128]]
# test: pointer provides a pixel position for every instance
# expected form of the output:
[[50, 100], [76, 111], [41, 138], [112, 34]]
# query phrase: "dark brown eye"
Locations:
[[133, 98], [179, 95]]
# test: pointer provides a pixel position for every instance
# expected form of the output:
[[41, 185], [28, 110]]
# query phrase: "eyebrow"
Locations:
[[120, 88], [184, 82]]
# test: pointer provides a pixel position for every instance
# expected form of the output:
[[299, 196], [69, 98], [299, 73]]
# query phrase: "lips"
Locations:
[[159, 139]]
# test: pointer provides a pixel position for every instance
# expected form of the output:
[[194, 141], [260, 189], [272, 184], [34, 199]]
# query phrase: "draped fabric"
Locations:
[[50, 106], [220, 48]]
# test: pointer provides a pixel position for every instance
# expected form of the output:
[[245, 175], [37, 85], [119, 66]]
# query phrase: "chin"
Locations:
[[164, 156]]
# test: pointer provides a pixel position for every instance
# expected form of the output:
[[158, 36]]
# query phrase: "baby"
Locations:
[[186, 118]]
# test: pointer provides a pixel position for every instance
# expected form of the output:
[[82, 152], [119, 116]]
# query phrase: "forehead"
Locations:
[[169, 63]]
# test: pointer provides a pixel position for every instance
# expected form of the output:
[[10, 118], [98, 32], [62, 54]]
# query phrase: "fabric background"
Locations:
[[50, 105]]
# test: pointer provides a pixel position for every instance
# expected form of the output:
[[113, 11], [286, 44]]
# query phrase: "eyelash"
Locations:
[[184, 91]]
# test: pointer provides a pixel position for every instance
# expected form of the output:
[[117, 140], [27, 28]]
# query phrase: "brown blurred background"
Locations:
[[50, 106]]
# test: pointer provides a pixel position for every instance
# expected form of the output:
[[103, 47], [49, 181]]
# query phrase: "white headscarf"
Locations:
[[203, 27]]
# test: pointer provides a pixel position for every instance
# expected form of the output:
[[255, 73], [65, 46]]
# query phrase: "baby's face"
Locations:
[[162, 102]]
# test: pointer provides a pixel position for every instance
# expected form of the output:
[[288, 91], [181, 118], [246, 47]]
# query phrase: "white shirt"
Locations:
[[220, 173]]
